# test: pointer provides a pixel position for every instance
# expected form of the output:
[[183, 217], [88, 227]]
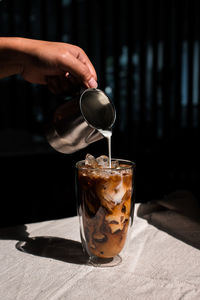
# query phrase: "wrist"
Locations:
[[12, 56]]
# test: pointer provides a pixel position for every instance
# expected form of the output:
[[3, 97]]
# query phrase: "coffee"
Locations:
[[105, 204]]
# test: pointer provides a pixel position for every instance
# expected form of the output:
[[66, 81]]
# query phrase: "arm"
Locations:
[[10, 58], [59, 65]]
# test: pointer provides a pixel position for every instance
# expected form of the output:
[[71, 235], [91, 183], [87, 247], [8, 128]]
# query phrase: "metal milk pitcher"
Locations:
[[75, 123]]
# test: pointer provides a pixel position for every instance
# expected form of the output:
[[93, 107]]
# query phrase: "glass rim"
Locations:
[[130, 165]]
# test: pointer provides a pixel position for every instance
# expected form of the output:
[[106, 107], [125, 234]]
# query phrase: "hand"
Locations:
[[63, 67]]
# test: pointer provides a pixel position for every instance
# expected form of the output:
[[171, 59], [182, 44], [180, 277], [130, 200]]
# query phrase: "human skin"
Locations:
[[61, 66]]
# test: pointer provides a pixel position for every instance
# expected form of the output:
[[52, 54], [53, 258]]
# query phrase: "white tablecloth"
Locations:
[[157, 266]]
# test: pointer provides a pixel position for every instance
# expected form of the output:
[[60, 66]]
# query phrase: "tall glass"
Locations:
[[105, 206]]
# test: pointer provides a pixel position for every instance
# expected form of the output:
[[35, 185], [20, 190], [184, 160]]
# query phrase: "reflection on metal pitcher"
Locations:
[[76, 123]]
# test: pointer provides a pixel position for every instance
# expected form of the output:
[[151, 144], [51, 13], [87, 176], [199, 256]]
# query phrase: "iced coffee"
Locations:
[[105, 204]]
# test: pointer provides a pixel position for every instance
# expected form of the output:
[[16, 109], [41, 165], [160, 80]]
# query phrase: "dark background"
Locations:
[[147, 57]]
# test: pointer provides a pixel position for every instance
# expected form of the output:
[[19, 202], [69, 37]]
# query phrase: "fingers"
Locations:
[[81, 55], [79, 66]]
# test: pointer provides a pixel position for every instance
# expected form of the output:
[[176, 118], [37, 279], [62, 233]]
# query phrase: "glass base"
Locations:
[[105, 262]]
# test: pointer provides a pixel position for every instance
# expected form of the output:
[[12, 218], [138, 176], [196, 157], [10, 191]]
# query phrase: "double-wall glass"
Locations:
[[105, 204]]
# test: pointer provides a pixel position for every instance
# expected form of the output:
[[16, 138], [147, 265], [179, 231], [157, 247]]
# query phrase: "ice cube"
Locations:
[[90, 161], [115, 164], [118, 193], [103, 161]]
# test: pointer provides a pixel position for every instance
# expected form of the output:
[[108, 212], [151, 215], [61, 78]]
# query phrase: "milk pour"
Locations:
[[107, 134]]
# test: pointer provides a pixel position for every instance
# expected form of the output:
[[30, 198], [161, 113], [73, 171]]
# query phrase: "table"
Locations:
[[157, 266]]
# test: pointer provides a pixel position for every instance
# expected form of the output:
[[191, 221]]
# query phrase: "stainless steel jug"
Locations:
[[76, 123]]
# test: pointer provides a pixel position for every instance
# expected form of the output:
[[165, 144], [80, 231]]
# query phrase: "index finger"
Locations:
[[82, 56]]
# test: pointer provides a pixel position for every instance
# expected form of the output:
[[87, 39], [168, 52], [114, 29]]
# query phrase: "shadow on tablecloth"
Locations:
[[54, 247], [178, 214]]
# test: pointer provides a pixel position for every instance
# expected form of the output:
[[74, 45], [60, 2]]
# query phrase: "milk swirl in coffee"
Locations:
[[105, 189]]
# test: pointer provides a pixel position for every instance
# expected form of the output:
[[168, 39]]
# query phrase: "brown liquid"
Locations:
[[106, 206]]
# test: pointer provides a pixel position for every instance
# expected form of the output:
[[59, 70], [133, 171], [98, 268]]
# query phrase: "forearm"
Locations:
[[11, 56]]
